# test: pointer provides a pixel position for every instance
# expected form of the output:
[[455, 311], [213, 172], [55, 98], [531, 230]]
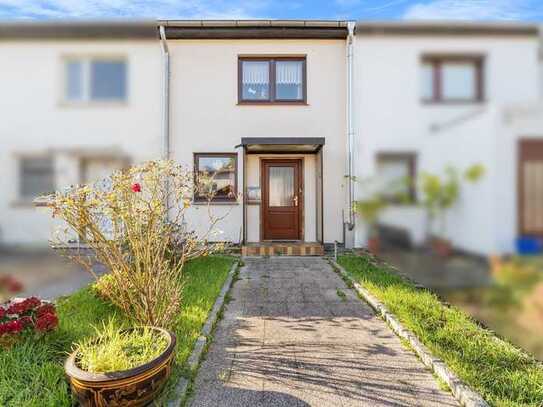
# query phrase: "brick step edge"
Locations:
[[465, 395], [182, 386]]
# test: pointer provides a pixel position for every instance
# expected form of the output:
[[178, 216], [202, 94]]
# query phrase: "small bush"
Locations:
[[135, 224]]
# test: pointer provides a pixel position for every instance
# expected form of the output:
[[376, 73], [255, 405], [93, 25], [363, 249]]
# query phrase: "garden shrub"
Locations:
[[133, 221]]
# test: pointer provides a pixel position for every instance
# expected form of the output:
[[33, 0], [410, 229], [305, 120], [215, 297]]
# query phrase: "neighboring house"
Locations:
[[430, 95], [276, 109], [76, 99]]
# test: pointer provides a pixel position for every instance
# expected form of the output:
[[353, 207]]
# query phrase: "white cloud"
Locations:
[[94, 9], [474, 10]]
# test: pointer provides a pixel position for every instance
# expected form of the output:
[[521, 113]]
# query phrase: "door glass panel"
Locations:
[[281, 186]]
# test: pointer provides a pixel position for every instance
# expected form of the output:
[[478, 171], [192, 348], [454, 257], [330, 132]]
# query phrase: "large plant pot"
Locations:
[[441, 247], [134, 387]]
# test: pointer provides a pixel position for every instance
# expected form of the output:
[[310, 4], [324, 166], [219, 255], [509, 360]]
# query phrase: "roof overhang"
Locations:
[[446, 28], [282, 145], [255, 29], [79, 30]]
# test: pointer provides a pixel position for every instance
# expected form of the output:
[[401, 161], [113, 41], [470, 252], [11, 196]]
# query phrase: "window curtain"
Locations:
[[289, 78], [256, 80], [256, 73], [281, 186]]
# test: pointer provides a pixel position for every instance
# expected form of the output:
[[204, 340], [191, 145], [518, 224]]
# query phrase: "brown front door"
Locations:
[[282, 192], [530, 187]]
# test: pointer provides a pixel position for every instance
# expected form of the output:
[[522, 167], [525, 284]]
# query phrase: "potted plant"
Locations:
[[369, 210], [121, 367], [439, 195]]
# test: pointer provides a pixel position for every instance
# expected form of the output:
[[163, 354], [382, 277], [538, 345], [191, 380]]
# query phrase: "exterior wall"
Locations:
[[391, 118], [36, 121], [205, 117]]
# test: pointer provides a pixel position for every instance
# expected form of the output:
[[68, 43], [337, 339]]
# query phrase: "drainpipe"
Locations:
[[165, 94], [350, 126]]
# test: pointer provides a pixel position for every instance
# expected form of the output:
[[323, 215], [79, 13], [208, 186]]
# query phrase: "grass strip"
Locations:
[[503, 374], [32, 372]]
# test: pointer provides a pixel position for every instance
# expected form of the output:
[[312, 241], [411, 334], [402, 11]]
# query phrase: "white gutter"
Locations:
[[350, 120], [165, 94]]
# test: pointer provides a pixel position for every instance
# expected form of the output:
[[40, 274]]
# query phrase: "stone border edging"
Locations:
[[182, 386], [461, 391]]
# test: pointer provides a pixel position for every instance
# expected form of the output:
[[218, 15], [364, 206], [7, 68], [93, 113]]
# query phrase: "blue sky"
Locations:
[[523, 10]]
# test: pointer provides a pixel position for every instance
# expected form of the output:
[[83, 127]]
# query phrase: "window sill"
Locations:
[[215, 203], [24, 203], [93, 104], [249, 103], [452, 102]]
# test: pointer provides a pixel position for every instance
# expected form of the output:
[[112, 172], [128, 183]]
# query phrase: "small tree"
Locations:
[[441, 193], [135, 223], [369, 210]]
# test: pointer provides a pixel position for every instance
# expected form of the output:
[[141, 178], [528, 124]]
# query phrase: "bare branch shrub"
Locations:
[[135, 222]]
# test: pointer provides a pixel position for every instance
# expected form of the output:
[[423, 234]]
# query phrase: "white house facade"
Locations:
[[291, 112], [432, 95]]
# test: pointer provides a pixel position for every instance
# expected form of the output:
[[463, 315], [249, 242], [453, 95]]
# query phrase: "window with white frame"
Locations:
[[36, 177], [95, 80]]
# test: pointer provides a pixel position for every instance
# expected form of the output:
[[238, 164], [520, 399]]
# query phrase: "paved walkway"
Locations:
[[294, 335]]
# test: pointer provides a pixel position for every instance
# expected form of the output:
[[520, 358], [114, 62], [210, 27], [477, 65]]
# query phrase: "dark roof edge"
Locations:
[[250, 29], [80, 30], [446, 28], [255, 29], [283, 140]]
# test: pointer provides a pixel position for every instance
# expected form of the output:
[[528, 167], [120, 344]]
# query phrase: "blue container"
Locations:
[[528, 245]]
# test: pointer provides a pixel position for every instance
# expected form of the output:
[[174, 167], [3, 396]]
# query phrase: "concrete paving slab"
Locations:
[[289, 339]]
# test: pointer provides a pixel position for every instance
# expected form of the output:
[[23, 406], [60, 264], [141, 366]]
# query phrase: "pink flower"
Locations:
[[136, 187]]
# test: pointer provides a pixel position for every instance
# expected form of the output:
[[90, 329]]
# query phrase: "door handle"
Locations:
[[295, 199]]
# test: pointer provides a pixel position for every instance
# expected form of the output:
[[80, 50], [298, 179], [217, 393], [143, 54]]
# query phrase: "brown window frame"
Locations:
[[437, 62], [197, 156], [272, 100], [411, 158]]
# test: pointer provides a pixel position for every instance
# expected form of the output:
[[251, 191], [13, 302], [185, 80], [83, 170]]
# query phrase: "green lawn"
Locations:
[[32, 373], [501, 373]]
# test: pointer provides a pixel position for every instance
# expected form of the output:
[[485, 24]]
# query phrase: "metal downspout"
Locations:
[[165, 94], [350, 126]]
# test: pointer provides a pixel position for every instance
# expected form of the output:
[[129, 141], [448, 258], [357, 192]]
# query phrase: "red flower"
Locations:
[[26, 321], [10, 284], [46, 308], [32, 302], [46, 322], [11, 327], [24, 306], [136, 187]]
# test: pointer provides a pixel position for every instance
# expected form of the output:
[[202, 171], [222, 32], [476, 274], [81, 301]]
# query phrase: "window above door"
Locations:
[[272, 80]]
